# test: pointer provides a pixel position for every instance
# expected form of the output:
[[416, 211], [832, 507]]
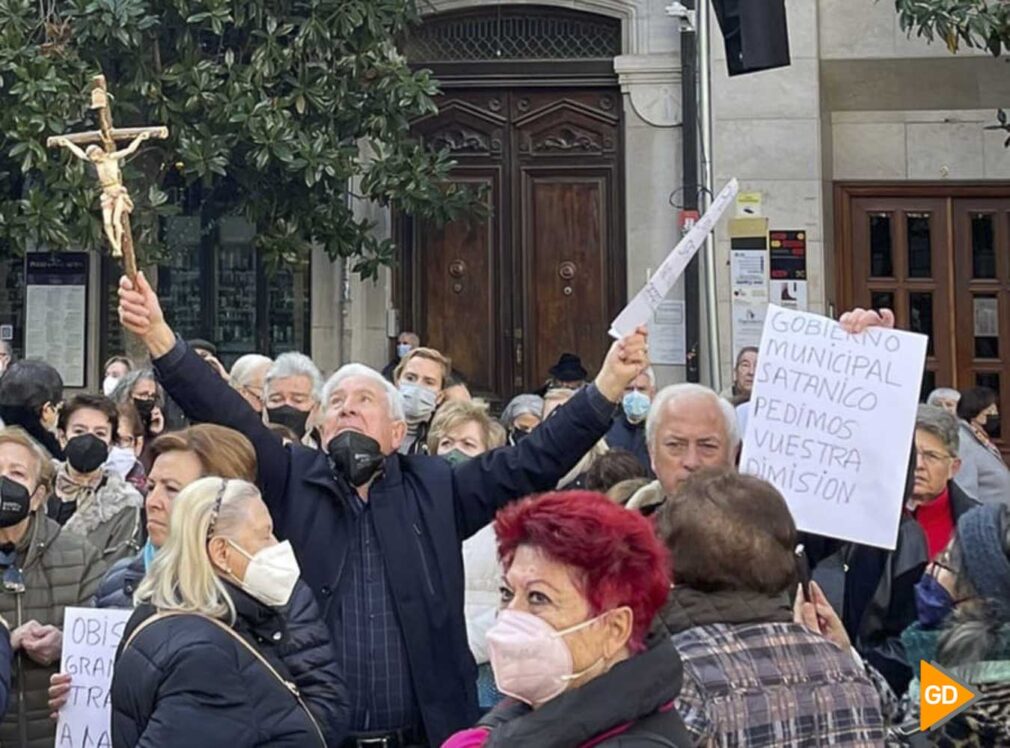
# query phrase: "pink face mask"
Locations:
[[530, 659]]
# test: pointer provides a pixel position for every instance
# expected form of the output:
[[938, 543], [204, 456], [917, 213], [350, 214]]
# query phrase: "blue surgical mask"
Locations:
[[636, 406], [402, 349], [418, 402], [932, 602]]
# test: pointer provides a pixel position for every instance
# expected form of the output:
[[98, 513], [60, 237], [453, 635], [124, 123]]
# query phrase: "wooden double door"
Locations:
[[940, 257], [544, 274]]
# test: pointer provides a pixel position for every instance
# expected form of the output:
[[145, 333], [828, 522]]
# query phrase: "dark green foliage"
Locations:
[[267, 102]]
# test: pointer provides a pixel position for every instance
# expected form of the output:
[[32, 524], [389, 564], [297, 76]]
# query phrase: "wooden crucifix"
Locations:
[[101, 151]]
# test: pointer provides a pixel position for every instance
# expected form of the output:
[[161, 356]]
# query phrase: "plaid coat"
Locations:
[[773, 683]]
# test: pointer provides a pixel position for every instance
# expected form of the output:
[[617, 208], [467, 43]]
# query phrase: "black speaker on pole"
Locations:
[[755, 32]]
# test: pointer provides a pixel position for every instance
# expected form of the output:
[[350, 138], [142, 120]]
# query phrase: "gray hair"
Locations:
[[689, 390], [943, 393], [651, 374], [941, 424], [123, 393], [243, 369], [360, 370], [294, 364], [520, 405]]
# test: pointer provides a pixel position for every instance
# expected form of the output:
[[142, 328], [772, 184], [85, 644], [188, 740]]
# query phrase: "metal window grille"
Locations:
[[514, 33]]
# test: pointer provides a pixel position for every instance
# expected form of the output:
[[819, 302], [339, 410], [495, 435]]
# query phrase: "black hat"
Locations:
[[199, 344], [568, 368]]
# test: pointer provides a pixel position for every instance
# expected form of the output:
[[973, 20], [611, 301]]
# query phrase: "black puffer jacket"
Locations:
[[120, 582], [184, 681]]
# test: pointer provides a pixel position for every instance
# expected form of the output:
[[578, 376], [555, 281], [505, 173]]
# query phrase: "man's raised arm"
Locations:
[[199, 390], [543, 458]]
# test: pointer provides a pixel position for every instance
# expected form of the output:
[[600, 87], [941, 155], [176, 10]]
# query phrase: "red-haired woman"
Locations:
[[584, 579]]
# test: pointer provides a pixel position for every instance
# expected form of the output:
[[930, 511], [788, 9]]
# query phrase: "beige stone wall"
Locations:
[[861, 101]]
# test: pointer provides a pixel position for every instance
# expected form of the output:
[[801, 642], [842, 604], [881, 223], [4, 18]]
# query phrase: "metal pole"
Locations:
[[704, 38], [689, 155]]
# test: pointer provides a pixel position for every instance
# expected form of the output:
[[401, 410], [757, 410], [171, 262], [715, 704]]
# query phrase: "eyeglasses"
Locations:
[[217, 508], [933, 458]]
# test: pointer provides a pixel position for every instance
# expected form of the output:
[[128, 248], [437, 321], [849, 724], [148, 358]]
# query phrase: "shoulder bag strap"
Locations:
[[288, 685]]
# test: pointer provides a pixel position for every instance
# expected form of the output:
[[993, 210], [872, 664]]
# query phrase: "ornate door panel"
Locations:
[[545, 273], [567, 223], [454, 272]]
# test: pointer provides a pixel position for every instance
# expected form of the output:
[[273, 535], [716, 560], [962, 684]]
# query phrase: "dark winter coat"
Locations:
[[423, 508], [183, 681], [630, 706], [875, 589], [120, 582], [630, 436], [306, 651], [59, 570]]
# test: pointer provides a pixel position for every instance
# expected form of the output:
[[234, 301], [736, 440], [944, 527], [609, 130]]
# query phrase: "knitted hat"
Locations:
[[980, 534]]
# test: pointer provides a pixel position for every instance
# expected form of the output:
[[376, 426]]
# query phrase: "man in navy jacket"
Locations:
[[384, 557]]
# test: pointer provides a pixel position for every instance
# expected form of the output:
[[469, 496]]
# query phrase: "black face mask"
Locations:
[[992, 424], [517, 434], [15, 501], [354, 457], [86, 453], [291, 417], [146, 409]]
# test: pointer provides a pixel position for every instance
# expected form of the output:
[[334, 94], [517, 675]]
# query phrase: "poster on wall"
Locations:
[[749, 270], [56, 312], [668, 334], [788, 271]]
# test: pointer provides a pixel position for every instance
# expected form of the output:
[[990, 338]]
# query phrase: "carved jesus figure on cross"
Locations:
[[115, 200], [101, 151]]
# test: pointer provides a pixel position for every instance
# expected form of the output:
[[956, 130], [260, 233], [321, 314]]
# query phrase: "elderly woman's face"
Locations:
[[537, 584], [252, 536], [526, 421], [467, 437]]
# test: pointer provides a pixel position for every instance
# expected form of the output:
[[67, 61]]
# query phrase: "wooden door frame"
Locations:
[[845, 192]]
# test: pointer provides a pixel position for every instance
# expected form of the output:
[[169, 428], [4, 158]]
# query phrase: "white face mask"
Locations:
[[418, 402], [109, 385], [271, 574], [120, 461]]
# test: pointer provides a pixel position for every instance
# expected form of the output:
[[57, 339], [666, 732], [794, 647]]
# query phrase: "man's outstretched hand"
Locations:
[[140, 313], [859, 320], [626, 359]]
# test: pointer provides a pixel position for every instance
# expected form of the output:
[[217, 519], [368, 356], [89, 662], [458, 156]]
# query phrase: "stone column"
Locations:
[[653, 170]]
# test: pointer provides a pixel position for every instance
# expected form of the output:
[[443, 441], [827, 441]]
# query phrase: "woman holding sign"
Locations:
[[200, 663]]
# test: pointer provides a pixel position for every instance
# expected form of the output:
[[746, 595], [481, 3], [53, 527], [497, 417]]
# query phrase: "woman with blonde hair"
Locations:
[[201, 661]]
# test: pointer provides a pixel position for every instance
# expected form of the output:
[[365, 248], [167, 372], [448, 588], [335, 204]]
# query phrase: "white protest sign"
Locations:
[[832, 418], [640, 309], [90, 638]]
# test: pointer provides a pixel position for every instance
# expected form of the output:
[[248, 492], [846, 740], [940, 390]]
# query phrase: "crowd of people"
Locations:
[[375, 559]]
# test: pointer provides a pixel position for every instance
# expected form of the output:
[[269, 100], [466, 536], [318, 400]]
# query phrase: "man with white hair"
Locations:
[[378, 534], [291, 392], [689, 428], [628, 431]]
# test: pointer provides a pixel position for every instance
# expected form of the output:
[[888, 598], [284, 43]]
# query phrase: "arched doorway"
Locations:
[[531, 112]]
